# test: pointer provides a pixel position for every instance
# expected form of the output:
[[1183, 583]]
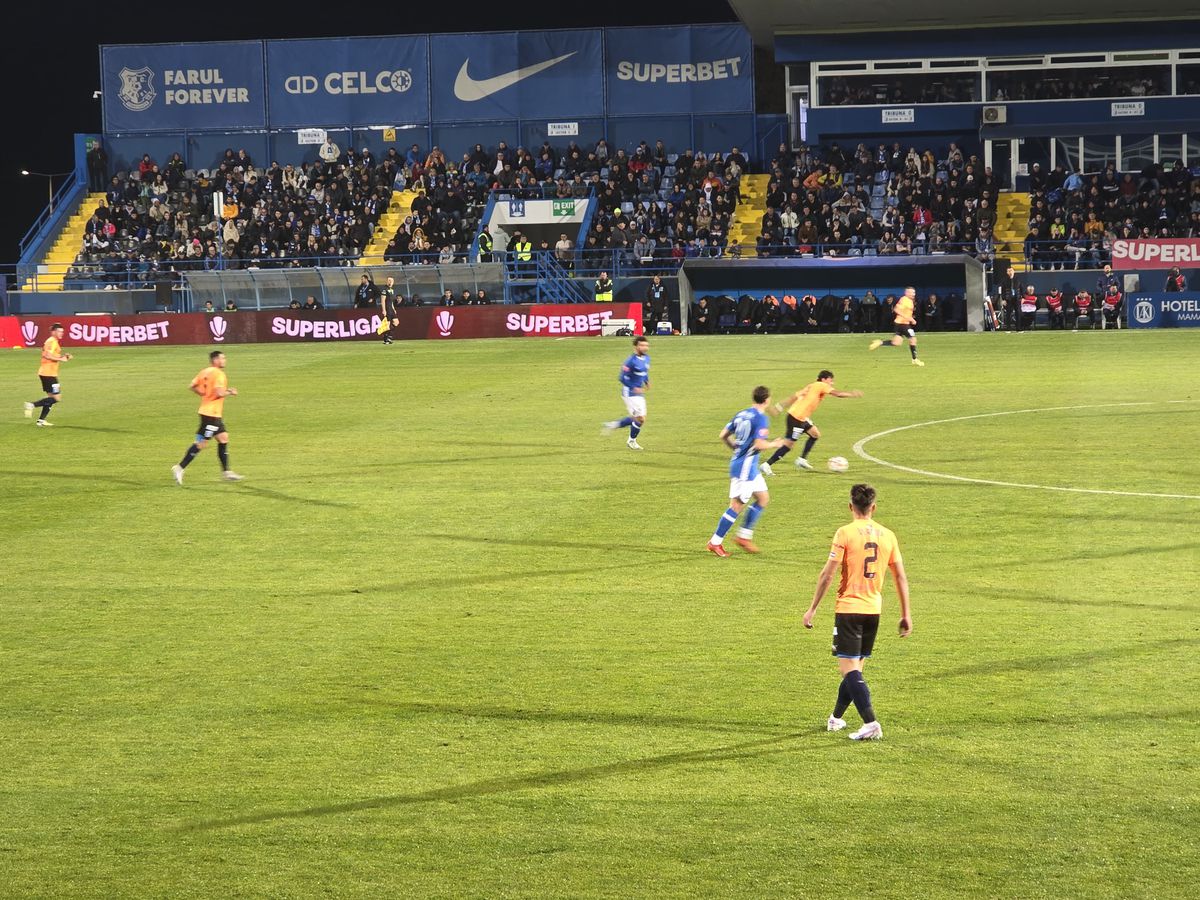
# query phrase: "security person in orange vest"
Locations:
[[604, 288]]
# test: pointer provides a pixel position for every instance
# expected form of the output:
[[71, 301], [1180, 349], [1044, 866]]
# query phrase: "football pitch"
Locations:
[[446, 639]]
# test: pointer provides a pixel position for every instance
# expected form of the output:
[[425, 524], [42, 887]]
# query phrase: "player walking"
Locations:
[[634, 378], [864, 550], [52, 355], [212, 386], [906, 325], [800, 407], [746, 435]]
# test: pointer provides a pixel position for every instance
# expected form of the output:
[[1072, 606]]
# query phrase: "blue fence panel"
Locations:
[[125, 151], [674, 131], [454, 140], [206, 150], [721, 133], [176, 87]]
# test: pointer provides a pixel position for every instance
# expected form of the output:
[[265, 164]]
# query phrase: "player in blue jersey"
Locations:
[[746, 434], [635, 379]]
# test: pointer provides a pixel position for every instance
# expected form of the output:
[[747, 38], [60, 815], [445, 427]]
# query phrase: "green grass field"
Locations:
[[448, 640]]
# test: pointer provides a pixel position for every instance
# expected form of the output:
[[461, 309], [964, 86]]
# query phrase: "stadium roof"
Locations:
[[767, 18]]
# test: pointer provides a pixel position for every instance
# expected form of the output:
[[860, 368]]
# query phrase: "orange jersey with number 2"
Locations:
[[865, 549]]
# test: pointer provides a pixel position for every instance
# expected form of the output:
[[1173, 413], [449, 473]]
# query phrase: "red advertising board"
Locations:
[[1161, 253], [436, 323]]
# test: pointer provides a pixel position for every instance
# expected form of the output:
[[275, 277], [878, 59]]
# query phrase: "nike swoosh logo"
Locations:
[[469, 90]]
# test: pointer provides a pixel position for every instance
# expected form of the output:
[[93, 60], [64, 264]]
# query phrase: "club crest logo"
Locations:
[[444, 321], [29, 330], [218, 326], [137, 89], [1144, 311]]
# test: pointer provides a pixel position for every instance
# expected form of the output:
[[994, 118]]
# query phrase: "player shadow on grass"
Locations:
[[289, 498], [78, 476], [461, 581], [1026, 596], [558, 544], [583, 717], [1057, 662], [785, 743]]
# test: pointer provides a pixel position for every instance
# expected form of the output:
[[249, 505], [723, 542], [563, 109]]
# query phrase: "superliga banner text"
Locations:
[[1159, 253], [284, 325]]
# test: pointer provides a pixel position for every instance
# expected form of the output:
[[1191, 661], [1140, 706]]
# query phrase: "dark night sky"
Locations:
[[53, 62]]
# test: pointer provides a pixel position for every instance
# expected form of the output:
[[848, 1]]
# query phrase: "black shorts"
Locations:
[[796, 427], [49, 383], [210, 427], [906, 331], [854, 635]]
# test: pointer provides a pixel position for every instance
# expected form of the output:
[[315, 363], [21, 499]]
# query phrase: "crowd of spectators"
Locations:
[[163, 217], [810, 314], [883, 201], [1054, 82], [653, 206], [1074, 218], [1063, 83]]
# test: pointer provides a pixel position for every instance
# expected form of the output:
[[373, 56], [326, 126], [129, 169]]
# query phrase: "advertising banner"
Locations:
[[1178, 310], [517, 75], [679, 69], [1162, 253], [341, 81], [175, 87], [284, 325]]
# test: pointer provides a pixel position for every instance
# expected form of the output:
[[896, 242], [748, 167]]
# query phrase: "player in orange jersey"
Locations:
[[52, 355], [212, 386], [906, 325], [800, 407], [863, 550]]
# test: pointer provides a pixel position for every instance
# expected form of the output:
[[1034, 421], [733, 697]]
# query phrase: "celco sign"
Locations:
[[384, 82]]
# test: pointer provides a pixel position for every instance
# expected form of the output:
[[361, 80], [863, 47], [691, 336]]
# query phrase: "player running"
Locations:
[[864, 550], [52, 355], [746, 434], [634, 378], [906, 325], [800, 407], [212, 387]]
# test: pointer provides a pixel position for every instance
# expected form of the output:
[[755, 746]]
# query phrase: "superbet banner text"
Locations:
[[436, 323], [1162, 253]]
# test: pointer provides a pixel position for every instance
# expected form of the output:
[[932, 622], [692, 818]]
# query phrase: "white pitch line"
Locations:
[[859, 451]]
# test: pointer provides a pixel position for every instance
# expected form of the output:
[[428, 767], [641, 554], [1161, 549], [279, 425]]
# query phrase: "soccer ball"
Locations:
[[838, 464]]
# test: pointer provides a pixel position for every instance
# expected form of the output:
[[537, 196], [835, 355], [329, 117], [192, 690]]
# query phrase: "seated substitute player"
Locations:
[[634, 378], [800, 407], [906, 325], [864, 550], [1054, 303], [212, 386], [52, 355], [746, 435]]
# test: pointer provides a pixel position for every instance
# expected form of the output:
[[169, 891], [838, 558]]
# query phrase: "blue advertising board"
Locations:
[[176, 87], [341, 81], [1178, 310], [689, 69], [517, 75]]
